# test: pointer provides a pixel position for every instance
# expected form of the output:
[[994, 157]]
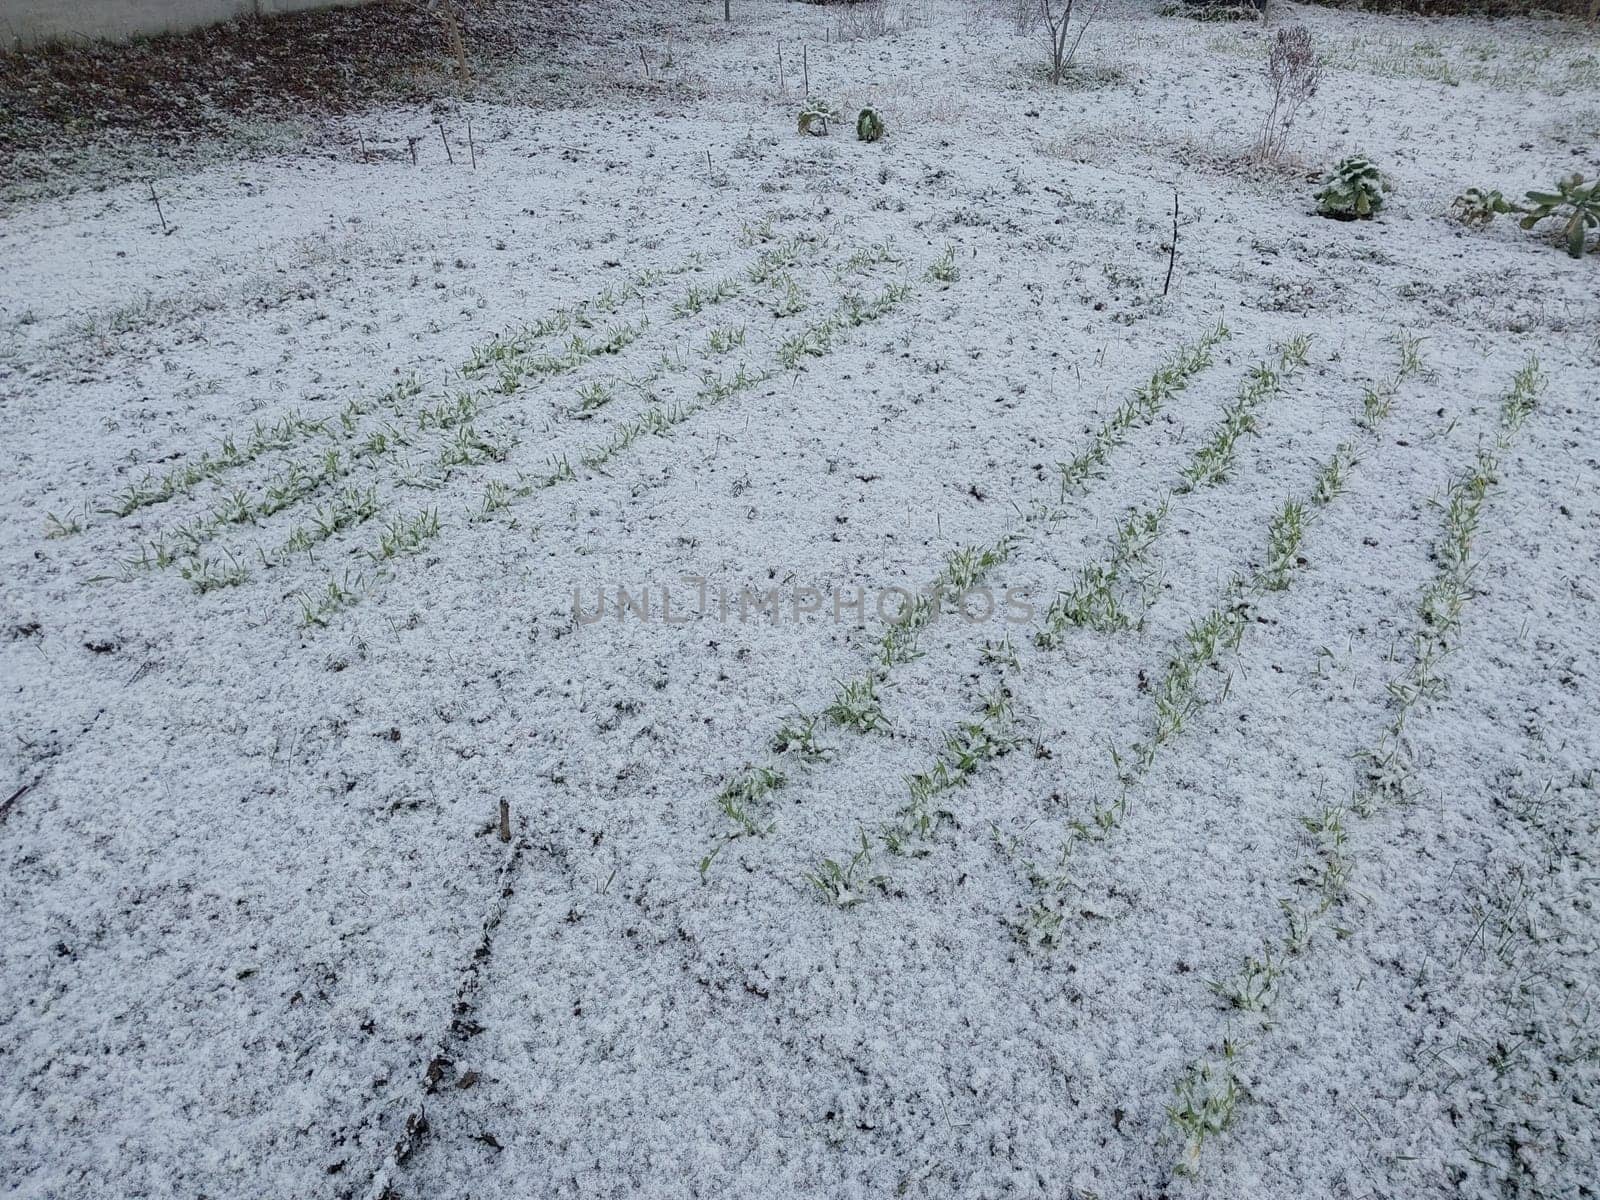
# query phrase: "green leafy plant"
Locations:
[[869, 125], [815, 116], [857, 706], [1574, 204], [843, 885], [740, 795], [1352, 191], [943, 269], [338, 596], [1477, 207], [1207, 1096], [56, 527], [798, 735]]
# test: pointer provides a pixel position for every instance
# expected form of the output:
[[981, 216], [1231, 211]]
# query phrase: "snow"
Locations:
[[253, 890]]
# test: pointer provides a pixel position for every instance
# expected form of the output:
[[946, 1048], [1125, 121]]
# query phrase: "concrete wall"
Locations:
[[29, 21]]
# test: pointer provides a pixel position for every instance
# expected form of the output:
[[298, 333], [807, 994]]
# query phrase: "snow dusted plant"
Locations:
[[843, 885], [864, 19], [1207, 1097], [943, 269], [798, 735], [1575, 204], [1477, 206], [1294, 73], [857, 706], [1094, 599], [1209, 1092], [869, 125], [814, 117], [1352, 191]]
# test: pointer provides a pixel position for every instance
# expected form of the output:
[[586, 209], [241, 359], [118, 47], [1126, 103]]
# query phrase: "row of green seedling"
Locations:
[[288, 431], [977, 740], [516, 350], [451, 421], [857, 704], [1143, 407], [1208, 1092], [716, 388], [1180, 697], [771, 269], [1096, 598]]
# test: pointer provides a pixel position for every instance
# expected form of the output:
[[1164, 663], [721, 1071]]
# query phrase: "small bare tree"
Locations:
[[1058, 26], [1294, 73]]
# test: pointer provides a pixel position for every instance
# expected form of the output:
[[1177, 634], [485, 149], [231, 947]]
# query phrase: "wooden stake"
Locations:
[[446, 142], [782, 87], [411, 145], [166, 231], [1172, 254], [472, 148], [505, 820], [805, 65]]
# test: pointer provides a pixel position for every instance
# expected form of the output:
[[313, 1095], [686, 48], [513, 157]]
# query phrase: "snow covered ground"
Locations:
[[297, 498]]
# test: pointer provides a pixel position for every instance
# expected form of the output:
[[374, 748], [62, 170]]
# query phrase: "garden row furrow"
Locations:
[[716, 387], [1209, 1091], [1180, 697], [988, 733], [856, 705], [496, 375], [516, 352], [408, 419]]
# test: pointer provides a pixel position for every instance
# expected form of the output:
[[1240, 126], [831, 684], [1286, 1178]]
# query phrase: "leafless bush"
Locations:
[[1058, 26], [1294, 73], [864, 19]]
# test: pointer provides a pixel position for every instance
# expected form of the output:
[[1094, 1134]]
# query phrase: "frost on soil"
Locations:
[[1249, 850]]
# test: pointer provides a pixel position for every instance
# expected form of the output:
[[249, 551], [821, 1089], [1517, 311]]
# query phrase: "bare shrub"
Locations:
[[864, 19], [1058, 27], [1294, 73]]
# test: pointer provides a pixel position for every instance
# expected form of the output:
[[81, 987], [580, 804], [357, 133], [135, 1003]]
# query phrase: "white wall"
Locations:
[[29, 21]]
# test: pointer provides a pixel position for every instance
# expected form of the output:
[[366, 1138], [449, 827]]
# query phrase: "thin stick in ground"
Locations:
[[165, 228], [1172, 251]]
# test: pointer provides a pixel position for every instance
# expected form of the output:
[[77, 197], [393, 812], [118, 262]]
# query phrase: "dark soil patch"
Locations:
[[174, 87], [1585, 9]]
